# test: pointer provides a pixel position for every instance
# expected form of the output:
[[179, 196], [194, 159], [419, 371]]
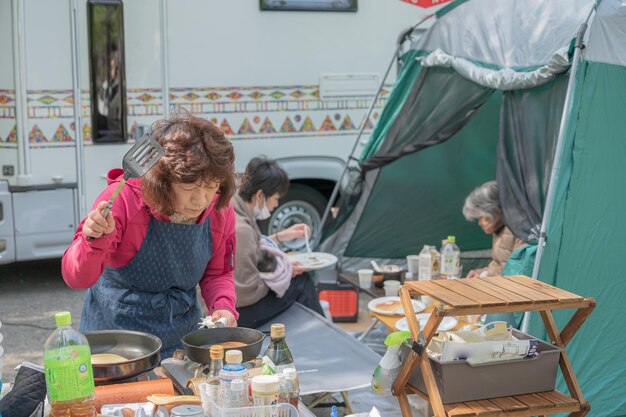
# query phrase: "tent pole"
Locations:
[[557, 155], [396, 54]]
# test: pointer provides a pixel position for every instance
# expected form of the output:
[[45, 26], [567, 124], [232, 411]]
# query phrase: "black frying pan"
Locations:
[[197, 344], [141, 350]]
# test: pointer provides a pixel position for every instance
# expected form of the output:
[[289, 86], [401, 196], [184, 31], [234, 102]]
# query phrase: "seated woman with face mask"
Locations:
[[263, 294]]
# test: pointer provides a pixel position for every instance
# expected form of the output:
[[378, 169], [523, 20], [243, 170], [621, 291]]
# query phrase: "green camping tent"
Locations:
[[485, 93]]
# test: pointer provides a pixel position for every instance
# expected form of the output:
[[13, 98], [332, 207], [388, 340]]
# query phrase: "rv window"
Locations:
[[107, 70]]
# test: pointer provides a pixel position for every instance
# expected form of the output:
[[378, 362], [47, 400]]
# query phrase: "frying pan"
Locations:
[[141, 350], [197, 344]]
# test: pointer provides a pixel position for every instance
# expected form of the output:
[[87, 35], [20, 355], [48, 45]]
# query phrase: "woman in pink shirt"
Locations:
[[167, 232]]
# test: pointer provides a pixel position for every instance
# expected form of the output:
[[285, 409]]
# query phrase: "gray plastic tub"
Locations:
[[460, 381]]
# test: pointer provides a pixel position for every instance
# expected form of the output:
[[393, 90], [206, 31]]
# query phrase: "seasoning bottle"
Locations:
[[265, 390], [213, 377], [293, 387], [277, 357], [238, 396], [231, 371]]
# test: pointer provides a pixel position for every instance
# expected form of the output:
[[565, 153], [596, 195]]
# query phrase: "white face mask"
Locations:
[[261, 213]]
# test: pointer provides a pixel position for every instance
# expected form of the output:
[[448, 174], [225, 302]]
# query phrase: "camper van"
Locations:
[[82, 80]]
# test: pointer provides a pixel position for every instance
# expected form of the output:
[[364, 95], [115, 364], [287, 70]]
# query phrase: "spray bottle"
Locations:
[[389, 366]]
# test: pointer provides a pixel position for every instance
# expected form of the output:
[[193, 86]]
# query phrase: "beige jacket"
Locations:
[[504, 244], [249, 287]]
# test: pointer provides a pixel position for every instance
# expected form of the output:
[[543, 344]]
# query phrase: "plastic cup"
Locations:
[[365, 278], [391, 287], [413, 264], [428, 301]]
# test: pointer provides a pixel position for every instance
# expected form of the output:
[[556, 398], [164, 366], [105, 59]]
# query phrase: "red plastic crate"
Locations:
[[343, 302]]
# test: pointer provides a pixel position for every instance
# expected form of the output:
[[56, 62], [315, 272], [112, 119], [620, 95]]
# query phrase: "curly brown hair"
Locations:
[[195, 149]]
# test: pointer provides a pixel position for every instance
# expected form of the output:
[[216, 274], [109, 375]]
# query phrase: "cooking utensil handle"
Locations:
[[105, 212]]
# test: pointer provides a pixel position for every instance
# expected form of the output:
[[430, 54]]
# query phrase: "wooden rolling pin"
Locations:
[[131, 392]]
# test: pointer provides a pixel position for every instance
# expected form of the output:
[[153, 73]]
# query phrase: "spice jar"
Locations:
[[265, 390], [187, 411]]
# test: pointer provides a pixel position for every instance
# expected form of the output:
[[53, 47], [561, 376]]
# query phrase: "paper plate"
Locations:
[[448, 323], [374, 306], [313, 261]]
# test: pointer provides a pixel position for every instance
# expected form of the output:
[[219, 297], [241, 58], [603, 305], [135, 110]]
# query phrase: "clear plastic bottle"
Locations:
[[283, 390], [231, 371], [237, 397], [69, 376], [213, 377], [450, 259], [277, 357], [293, 387]]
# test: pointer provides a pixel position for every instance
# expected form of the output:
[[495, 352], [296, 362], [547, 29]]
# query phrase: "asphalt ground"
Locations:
[[30, 294]]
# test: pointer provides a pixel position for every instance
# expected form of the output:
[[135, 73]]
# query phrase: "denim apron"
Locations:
[[156, 291]]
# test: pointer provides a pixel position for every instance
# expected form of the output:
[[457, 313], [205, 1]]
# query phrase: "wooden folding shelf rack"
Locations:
[[484, 296]]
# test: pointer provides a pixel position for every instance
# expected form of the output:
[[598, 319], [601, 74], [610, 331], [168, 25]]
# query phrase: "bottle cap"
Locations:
[[237, 385], [265, 383], [234, 356], [63, 318], [217, 352], [290, 373], [277, 331], [451, 239]]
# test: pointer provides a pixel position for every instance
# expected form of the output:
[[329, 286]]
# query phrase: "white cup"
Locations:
[[365, 278], [413, 264], [391, 288], [428, 301]]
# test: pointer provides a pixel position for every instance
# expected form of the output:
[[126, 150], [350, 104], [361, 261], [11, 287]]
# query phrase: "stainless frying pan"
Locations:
[[141, 350]]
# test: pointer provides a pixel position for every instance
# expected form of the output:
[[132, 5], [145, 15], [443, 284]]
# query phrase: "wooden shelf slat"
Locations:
[[442, 294], [558, 399], [509, 403], [557, 293], [534, 401], [484, 407], [479, 284], [481, 297], [520, 290]]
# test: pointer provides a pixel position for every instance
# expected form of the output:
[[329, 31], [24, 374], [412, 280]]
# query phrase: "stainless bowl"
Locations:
[[140, 349]]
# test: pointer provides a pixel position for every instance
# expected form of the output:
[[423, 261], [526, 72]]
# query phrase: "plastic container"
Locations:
[[69, 376], [460, 381], [450, 259], [265, 390], [187, 411], [231, 371]]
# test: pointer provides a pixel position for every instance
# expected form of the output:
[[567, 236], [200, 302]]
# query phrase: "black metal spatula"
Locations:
[[137, 161]]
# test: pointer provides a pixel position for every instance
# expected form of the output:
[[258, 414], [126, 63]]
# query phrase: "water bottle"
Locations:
[[69, 376], [231, 371], [450, 259]]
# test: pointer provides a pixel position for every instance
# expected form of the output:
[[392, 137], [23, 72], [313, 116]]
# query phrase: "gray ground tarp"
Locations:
[[328, 359]]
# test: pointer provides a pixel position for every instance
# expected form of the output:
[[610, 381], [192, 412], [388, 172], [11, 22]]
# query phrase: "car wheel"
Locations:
[[301, 204]]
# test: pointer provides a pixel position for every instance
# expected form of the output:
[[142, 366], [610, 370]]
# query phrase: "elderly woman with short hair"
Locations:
[[483, 204]]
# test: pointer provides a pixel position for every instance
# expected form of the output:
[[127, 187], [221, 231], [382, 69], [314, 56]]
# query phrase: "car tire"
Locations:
[[301, 204]]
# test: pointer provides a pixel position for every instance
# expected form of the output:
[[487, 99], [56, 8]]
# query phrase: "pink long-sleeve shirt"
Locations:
[[84, 260]]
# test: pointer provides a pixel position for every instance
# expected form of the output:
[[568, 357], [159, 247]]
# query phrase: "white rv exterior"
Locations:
[[294, 86]]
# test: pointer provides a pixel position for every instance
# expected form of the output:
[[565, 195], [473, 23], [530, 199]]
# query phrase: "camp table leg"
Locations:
[[319, 399], [346, 401], [566, 366], [427, 371], [576, 322], [405, 407], [412, 360]]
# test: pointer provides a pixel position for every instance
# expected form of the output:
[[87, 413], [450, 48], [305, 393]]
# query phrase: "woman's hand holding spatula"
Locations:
[[96, 224]]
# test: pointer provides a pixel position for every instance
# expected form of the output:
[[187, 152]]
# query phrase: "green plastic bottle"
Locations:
[[69, 376]]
